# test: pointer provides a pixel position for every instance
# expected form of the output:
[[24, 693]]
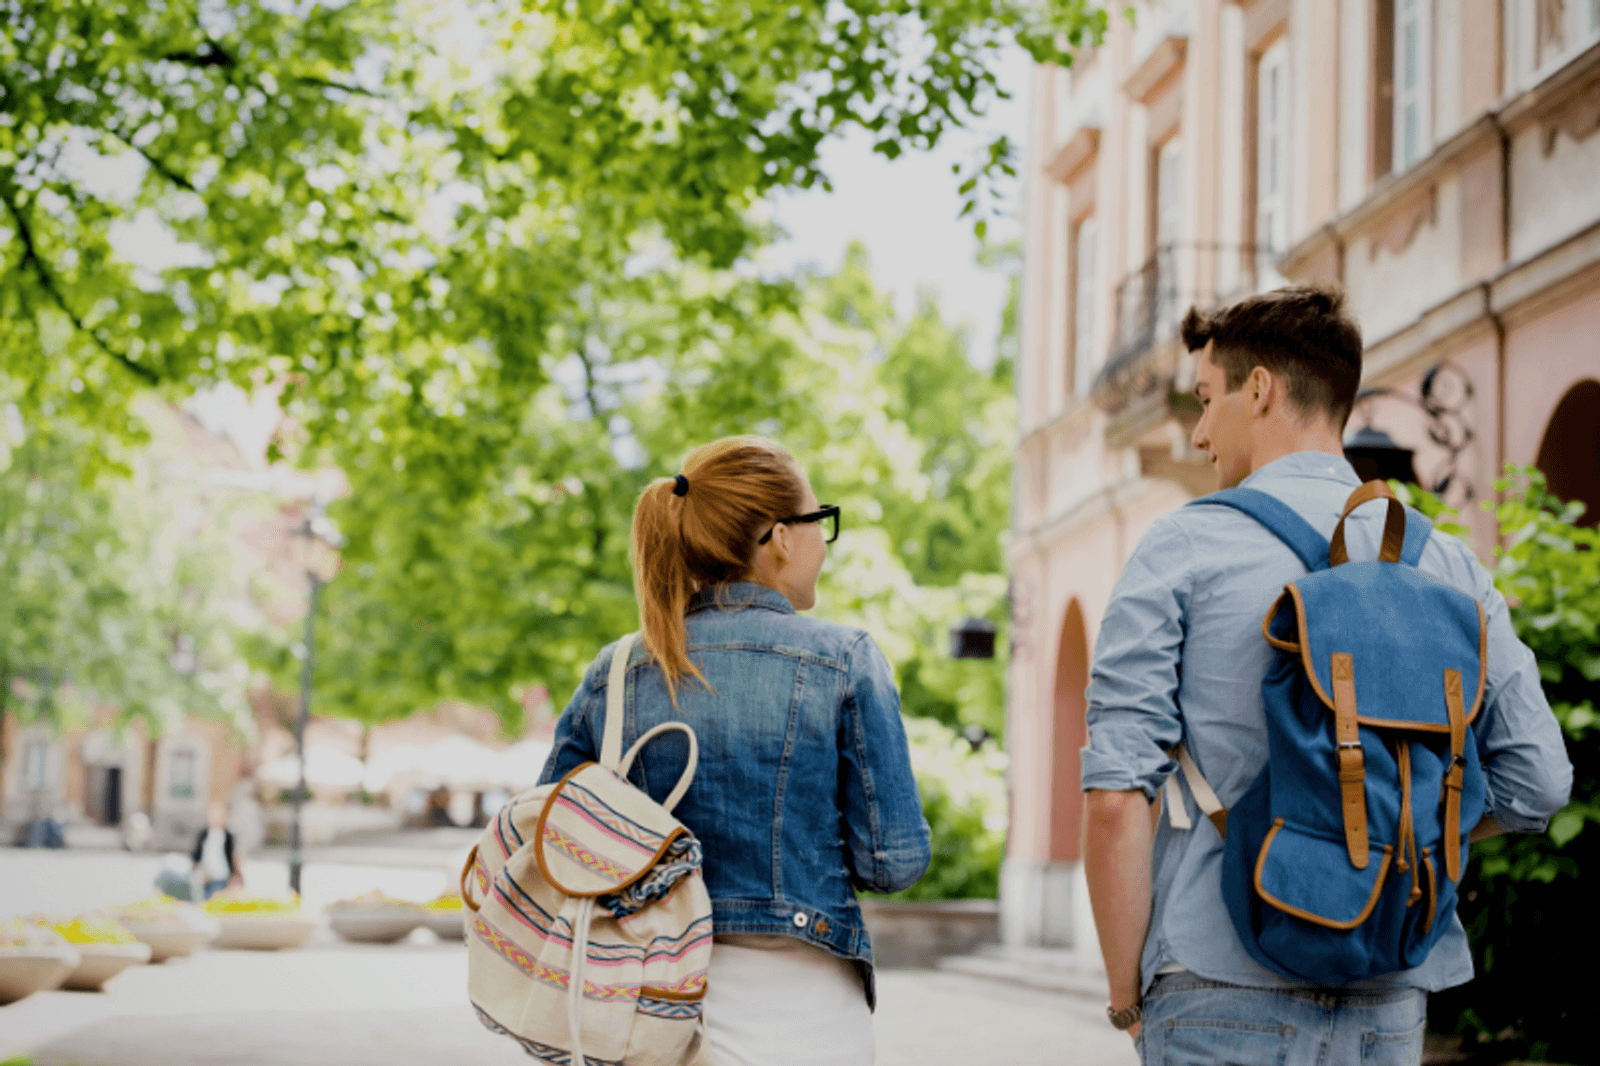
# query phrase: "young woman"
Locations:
[[804, 792]]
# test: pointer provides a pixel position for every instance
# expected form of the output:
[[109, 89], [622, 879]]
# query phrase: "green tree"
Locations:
[[401, 208], [1526, 892], [102, 602], [521, 584]]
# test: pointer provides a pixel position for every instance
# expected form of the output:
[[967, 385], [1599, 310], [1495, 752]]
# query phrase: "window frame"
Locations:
[[1272, 148], [1417, 13], [1083, 297]]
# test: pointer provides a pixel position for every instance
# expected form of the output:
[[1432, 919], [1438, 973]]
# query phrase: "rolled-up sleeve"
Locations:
[[889, 844], [1525, 762], [1133, 680]]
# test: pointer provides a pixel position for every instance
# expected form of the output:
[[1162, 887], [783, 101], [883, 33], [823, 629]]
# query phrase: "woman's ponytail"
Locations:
[[661, 580], [698, 530]]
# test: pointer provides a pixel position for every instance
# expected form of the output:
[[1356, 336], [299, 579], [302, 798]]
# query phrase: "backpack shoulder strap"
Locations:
[[1280, 519], [1418, 530], [616, 685]]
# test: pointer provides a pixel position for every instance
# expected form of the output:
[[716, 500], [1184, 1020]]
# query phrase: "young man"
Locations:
[[1180, 657]]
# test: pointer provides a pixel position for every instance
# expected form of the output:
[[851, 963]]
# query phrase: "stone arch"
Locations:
[[1069, 733], [1569, 455]]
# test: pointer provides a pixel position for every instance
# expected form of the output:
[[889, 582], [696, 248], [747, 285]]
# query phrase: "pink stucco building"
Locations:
[[1440, 159]]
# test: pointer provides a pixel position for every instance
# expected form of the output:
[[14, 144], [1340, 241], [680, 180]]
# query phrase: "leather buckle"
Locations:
[[1352, 761]]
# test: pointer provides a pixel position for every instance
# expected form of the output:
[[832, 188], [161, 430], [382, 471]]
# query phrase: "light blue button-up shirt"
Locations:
[[1180, 657]]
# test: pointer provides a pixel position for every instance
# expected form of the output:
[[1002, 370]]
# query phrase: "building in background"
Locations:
[[1439, 159]]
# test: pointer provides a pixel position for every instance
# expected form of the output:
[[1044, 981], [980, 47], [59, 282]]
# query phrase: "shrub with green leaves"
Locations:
[[1523, 898], [964, 800]]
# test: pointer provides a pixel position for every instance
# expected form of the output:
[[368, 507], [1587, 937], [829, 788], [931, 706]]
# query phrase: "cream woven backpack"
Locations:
[[592, 861]]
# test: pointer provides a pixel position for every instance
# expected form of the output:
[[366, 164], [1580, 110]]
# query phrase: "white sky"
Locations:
[[905, 213]]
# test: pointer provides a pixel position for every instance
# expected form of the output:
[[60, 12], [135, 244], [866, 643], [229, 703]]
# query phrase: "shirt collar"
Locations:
[[1305, 464], [737, 595]]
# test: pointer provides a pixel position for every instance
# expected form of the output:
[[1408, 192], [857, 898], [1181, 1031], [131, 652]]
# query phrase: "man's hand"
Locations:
[[1117, 838]]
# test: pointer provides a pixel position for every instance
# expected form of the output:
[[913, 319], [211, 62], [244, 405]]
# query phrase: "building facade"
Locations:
[[1438, 159]]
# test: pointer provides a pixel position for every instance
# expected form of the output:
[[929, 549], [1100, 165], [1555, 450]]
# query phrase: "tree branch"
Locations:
[[32, 260], [156, 163], [324, 83]]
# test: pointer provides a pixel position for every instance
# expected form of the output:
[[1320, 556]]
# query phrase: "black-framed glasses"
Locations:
[[829, 511]]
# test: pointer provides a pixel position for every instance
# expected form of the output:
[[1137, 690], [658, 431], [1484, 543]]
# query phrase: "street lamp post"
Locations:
[[321, 538]]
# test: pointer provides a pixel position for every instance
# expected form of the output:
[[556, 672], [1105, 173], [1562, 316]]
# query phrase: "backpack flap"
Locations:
[[598, 835], [1402, 633]]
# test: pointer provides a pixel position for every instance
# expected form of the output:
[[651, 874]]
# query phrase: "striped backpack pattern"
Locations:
[[591, 925]]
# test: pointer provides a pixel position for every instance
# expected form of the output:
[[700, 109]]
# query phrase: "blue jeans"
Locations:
[[1189, 1020], [213, 887]]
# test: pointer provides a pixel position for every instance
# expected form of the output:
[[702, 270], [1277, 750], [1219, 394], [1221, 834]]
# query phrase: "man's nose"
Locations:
[[1200, 439]]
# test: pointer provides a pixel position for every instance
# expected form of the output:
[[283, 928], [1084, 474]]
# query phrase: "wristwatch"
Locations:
[[1126, 1018]]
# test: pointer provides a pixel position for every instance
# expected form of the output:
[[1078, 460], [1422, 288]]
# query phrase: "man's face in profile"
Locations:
[[1223, 431]]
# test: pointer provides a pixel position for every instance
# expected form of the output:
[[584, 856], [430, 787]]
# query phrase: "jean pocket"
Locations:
[[1394, 1049], [1197, 1041]]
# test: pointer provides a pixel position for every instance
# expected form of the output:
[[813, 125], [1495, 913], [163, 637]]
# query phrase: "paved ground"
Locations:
[[405, 1004]]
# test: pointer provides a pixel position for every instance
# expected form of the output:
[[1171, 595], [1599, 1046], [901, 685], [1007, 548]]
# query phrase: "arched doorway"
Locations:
[[1069, 733], [1569, 455]]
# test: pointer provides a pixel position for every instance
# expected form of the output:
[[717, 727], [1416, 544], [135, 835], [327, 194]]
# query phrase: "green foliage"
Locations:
[[478, 598], [1526, 892], [404, 210], [105, 597], [964, 800]]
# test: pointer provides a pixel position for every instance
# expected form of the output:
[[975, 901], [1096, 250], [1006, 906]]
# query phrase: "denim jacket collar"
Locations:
[[738, 595]]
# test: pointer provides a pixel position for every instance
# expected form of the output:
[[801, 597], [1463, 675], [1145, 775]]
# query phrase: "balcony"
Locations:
[[1141, 371]]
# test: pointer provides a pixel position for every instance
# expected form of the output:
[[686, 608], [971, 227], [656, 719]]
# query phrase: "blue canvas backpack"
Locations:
[[1341, 861]]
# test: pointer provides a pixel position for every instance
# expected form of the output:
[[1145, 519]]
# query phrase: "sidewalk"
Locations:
[[405, 1004]]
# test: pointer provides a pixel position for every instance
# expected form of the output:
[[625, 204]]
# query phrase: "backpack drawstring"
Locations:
[[1408, 824], [580, 955]]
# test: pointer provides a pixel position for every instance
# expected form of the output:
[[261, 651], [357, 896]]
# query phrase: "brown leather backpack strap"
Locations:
[[1453, 775], [1394, 524], [1352, 761]]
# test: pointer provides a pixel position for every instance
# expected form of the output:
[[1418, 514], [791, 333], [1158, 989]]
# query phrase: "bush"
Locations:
[[1522, 899], [964, 800]]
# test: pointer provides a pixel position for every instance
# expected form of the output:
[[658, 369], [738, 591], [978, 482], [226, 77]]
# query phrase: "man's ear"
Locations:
[[1258, 390]]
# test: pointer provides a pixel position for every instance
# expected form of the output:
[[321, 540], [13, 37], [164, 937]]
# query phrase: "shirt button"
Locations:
[[800, 921], [822, 927]]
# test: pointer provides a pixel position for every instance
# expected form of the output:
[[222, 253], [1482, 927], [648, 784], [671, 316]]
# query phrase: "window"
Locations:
[[1411, 60], [180, 774], [1272, 148], [1083, 253], [1168, 199], [35, 763]]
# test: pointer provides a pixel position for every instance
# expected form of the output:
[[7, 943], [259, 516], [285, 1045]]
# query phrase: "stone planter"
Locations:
[[175, 938], [34, 968], [446, 925], [376, 925], [264, 932], [908, 934], [99, 963]]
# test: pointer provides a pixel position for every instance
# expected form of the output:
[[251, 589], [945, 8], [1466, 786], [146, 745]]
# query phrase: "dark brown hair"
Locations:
[[737, 488], [1300, 333]]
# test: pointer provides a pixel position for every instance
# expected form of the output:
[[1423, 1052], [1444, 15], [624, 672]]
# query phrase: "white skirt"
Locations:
[[777, 1001]]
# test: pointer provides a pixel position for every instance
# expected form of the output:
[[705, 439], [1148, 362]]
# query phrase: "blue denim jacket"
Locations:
[[804, 792]]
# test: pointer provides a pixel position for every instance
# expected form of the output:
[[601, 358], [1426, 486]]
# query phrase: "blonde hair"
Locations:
[[737, 487]]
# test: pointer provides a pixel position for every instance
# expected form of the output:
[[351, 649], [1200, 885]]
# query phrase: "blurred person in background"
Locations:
[[216, 863]]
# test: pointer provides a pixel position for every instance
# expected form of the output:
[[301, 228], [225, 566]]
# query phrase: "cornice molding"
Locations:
[[1165, 58], [1071, 158]]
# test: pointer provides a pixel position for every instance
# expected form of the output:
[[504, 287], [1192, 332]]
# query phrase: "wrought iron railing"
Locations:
[[1150, 303]]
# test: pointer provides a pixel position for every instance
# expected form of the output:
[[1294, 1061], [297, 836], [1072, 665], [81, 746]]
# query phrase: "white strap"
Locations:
[[580, 955], [1176, 814], [688, 769], [616, 685], [1203, 796]]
